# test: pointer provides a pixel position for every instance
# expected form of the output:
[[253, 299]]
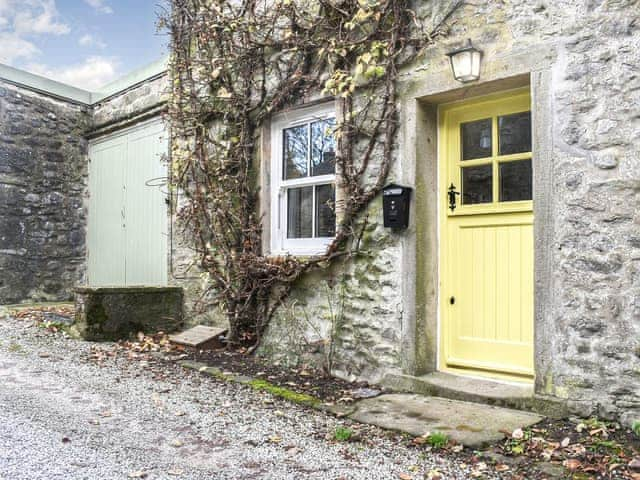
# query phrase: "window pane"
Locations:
[[323, 147], [477, 184], [325, 211], [515, 133], [515, 181], [299, 212], [476, 139], [295, 143]]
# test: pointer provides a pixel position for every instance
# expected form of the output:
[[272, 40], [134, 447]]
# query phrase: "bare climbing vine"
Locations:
[[237, 62]]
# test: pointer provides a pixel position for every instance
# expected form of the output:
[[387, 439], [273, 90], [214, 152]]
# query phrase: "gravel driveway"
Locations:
[[63, 416]]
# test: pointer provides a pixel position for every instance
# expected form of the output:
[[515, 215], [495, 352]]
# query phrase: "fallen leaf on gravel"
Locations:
[[174, 472], [44, 355], [501, 467], [105, 414], [572, 464], [138, 474], [404, 476], [179, 414], [275, 439], [433, 475], [177, 443]]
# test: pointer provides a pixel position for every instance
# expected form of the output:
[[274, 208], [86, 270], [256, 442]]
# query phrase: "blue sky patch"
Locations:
[[85, 43]]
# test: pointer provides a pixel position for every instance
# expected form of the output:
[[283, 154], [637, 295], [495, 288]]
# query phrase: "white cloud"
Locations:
[[21, 21], [35, 17], [15, 48], [93, 73], [99, 5], [89, 40]]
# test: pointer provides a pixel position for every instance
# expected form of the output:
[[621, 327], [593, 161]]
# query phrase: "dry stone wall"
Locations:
[[43, 182]]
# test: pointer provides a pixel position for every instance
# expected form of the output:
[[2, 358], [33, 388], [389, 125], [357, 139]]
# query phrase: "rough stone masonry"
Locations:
[[43, 181], [588, 337]]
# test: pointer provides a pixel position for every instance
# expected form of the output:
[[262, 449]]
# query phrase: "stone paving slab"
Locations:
[[200, 337], [471, 424]]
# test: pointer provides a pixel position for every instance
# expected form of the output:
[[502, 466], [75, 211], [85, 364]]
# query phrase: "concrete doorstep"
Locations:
[[470, 424]]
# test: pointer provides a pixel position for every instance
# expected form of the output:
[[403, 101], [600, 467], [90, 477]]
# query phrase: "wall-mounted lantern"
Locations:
[[465, 63], [395, 206]]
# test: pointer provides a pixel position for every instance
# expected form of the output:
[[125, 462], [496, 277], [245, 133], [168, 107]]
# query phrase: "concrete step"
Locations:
[[456, 387], [470, 424]]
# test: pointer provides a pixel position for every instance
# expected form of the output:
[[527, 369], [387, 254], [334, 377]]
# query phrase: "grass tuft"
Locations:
[[342, 434], [438, 440]]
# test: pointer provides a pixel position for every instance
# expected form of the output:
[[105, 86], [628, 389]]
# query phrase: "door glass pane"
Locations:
[[299, 212], [323, 147], [325, 211], [515, 181], [515, 133], [477, 184], [476, 139], [295, 150]]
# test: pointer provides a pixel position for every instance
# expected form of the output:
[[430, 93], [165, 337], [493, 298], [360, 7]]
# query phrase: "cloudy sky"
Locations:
[[85, 43]]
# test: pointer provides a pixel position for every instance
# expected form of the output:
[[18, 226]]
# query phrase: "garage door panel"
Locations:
[[127, 212], [106, 239], [146, 210]]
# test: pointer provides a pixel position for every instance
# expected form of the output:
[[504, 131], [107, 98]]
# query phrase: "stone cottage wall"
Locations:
[[144, 98], [588, 338], [43, 181]]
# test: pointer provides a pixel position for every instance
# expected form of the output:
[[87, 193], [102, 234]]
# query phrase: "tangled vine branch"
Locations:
[[237, 62]]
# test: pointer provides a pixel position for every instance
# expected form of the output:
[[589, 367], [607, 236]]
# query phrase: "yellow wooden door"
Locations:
[[486, 248]]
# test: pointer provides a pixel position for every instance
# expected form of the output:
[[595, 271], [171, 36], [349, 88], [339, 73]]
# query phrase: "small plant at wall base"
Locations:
[[342, 434], [234, 64]]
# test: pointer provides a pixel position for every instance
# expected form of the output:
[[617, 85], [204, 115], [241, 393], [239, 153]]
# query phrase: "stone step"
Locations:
[[470, 424], [456, 387], [200, 337]]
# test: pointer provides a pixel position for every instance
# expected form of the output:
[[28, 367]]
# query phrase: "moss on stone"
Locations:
[[284, 393]]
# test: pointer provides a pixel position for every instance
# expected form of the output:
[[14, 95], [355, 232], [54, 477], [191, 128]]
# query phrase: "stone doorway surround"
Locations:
[[418, 167]]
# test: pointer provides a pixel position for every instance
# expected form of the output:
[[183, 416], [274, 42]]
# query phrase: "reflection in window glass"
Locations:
[[323, 147], [299, 212], [295, 152], [476, 139], [477, 185], [515, 133], [325, 211], [515, 181]]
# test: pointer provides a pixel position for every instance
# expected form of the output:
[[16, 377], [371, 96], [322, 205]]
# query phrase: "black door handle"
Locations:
[[452, 196]]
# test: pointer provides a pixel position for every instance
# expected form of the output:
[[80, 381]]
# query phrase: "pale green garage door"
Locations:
[[127, 234]]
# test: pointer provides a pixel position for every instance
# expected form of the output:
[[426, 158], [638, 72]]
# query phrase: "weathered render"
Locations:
[[43, 182]]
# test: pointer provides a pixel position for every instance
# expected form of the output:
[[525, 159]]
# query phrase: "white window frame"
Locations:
[[280, 244]]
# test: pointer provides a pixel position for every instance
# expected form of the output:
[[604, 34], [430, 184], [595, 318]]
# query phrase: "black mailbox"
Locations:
[[395, 206]]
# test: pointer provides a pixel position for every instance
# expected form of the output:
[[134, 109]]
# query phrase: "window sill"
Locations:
[[300, 252]]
